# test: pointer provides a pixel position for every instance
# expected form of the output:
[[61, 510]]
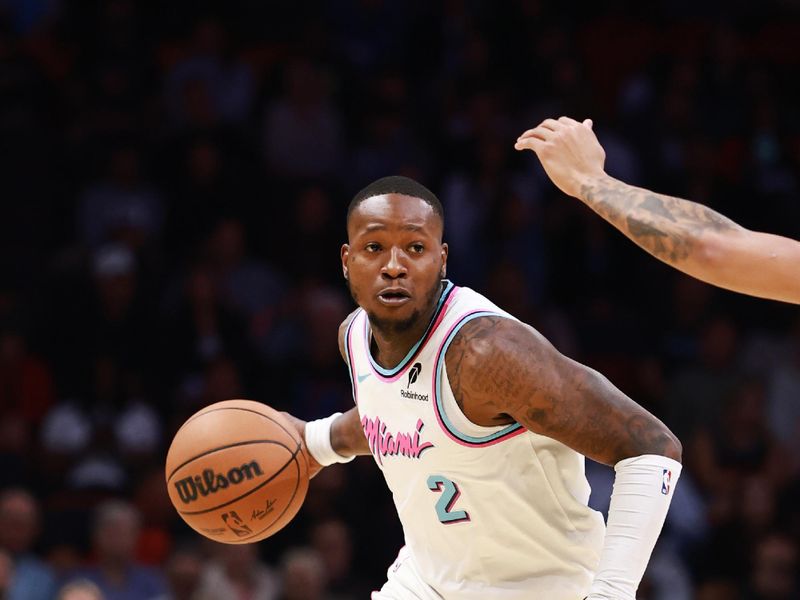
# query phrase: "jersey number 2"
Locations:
[[444, 505]]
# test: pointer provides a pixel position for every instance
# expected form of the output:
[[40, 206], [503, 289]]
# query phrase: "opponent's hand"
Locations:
[[568, 150], [300, 426]]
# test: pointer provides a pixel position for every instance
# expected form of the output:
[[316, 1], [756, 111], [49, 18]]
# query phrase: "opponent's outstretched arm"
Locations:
[[687, 235]]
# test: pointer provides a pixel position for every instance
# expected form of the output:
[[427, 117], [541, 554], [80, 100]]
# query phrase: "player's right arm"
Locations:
[[344, 431], [684, 234], [347, 434]]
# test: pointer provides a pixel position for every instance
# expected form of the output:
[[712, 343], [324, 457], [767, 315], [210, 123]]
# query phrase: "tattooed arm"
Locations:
[[689, 236], [501, 370]]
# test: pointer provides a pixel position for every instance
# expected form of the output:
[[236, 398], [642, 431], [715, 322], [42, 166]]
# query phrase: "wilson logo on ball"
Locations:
[[211, 482]]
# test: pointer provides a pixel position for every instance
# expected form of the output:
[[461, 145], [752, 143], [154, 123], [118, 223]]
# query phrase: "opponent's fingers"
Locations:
[[537, 131], [540, 132], [567, 121], [530, 143], [589, 123], [551, 124]]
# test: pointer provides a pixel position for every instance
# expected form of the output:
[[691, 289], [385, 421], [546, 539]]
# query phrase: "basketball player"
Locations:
[[689, 236], [480, 427]]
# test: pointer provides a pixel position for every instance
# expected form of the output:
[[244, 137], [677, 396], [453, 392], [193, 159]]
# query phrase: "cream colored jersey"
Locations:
[[495, 513]]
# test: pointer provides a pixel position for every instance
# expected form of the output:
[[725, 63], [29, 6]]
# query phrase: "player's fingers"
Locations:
[[589, 123], [567, 121]]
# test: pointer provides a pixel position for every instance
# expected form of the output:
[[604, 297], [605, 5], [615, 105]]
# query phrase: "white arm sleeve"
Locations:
[[643, 490]]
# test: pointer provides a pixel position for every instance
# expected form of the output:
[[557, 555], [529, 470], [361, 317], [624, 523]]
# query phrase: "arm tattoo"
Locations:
[[500, 369], [476, 332], [666, 227]]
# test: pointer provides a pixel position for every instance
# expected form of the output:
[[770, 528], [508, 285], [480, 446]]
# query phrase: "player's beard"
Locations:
[[395, 326]]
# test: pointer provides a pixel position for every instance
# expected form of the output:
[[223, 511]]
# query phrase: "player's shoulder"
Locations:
[[343, 331], [487, 334], [465, 300], [484, 331]]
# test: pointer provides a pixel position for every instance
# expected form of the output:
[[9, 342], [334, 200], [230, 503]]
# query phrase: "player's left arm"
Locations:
[[500, 369]]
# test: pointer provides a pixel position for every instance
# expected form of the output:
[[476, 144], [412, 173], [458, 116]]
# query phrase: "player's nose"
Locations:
[[395, 266]]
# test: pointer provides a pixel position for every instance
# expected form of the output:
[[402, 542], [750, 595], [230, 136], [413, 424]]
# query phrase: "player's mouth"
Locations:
[[394, 296]]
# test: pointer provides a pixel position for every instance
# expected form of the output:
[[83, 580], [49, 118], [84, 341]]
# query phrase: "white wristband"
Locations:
[[318, 442], [643, 489]]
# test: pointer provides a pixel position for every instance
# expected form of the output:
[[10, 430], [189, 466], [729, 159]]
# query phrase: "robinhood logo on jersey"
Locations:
[[413, 373], [210, 482], [412, 395]]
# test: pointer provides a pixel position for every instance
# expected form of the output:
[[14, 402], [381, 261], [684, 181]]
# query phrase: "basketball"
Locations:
[[237, 471]]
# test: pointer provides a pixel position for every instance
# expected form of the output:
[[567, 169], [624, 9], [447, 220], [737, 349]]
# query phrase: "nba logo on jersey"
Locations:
[[666, 478]]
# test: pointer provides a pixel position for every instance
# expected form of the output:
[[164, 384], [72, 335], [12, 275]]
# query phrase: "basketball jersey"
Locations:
[[487, 512]]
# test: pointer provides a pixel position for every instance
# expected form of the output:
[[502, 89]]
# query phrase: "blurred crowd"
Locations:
[[174, 179]]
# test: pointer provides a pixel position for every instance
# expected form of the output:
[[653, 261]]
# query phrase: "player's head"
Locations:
[[394, 260]]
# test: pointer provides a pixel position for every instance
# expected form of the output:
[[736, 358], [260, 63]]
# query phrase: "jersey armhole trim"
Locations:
[[445, 423], [390, 375], [348, 352]]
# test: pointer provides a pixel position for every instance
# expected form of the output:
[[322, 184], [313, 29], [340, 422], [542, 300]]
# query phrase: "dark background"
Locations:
[[173, 183]]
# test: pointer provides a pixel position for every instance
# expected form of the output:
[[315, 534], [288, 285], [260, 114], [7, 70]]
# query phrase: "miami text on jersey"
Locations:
[[386, 443]]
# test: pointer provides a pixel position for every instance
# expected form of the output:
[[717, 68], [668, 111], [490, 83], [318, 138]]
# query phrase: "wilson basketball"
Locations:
[[237, 471]]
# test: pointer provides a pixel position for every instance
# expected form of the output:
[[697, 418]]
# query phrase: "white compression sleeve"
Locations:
[[643, 490], [318, 441]]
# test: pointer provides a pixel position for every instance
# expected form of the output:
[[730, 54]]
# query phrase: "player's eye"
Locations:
[[417, 248], [372, 247]]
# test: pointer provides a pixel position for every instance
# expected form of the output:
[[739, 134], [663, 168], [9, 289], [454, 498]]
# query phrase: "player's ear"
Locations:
[[445, 250], [345, 254]]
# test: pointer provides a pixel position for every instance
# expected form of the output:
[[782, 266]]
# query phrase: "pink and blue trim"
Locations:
[[348, 350], [390, 375], [445, 423]]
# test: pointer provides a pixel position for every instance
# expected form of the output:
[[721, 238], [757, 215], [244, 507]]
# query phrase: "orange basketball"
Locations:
[[237, 471]]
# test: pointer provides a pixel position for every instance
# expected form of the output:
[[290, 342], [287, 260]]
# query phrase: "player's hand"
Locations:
[[568, 150], [313, 466]]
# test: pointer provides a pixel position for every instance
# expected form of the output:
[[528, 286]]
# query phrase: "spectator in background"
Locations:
[[235, 571], [211, 71], [115, 571], [200, 330], [20, 526], [718, 589], [6, 574], [783, 392], [26, 392], [776, 564], [80, 590], [696, 393], [152, 501], [303, 130], [309, 234], [26, 384], [303, 576], [123, 207], [205, 187], [184, 570], [333, 540], [246, 285]]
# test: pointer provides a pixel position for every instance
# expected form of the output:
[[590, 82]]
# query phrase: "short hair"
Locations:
[[397, 184]]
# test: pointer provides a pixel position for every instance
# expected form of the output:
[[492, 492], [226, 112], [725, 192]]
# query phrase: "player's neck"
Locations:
[[389, 347]]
